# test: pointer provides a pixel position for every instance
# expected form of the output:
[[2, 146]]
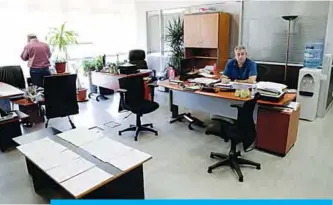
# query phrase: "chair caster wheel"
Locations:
[[119, 133], [258, 167], [240, 179], [209, 171], [151, 126], [156, 134], [211, 155]]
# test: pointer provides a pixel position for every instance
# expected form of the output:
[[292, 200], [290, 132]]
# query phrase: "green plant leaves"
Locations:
[[175, 38]]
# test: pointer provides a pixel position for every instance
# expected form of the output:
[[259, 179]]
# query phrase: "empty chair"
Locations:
[[60, 97], [132, 98], [237, 131]]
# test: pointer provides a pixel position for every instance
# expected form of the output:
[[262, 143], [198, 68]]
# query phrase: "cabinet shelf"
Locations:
[[205, 57]]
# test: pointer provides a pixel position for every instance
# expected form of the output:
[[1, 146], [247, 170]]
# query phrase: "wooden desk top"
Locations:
[[142, 72], [81, 160], [229, 95], [24, 102], [7, 91]]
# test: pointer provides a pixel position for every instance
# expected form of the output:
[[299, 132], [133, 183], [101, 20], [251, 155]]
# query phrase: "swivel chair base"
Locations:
[[192, 120], [138, 128], [69, 119], [232, 161]]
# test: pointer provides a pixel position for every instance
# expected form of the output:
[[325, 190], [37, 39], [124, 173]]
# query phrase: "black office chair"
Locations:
[[237, 131], [132, 98], [60, 97], [138, 57]]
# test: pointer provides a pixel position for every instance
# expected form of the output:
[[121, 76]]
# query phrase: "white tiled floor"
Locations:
[[181, 157]]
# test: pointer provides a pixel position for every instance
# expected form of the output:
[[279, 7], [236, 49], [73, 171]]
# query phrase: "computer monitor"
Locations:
[[186, 66]]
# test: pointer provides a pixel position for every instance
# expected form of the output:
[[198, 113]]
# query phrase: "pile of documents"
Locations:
[[270, 89], [223, 85], [204, 81]]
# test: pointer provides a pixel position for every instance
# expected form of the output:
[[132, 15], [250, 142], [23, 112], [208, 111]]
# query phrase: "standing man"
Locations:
[[240, 69], [37, 54]]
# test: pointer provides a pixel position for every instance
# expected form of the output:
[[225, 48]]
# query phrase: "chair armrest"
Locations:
[[236, 106], [153, 85], [121, 90]]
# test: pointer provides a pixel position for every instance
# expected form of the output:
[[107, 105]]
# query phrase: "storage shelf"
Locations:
[[205, 57]]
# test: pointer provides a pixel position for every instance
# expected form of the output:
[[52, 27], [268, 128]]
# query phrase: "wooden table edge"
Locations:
[[110, 179]]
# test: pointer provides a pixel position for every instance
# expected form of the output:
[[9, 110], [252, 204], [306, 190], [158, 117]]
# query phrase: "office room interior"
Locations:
[[158, 99]]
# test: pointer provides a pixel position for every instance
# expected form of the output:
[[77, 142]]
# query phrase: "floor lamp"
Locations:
[[289, 19]]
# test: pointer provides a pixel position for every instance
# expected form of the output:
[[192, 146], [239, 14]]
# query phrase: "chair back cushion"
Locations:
[[12, 75], [134, 85], [136, 55], [60, 95]]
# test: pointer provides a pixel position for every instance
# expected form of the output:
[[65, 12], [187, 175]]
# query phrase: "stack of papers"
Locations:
[[224, 85], [115, 153], [80, 136], [270, 88], [205, 81]]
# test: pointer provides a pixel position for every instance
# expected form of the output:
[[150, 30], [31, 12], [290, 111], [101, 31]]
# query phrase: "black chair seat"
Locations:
[[225, 130], [143, 107]]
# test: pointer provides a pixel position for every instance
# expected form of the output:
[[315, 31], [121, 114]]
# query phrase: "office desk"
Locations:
[[110, 81], [66, 162], [213, 103], [8, 91], [9, 129]]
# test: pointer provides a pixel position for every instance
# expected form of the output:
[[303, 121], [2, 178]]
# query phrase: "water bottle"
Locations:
[[171, 73], [313, 54]]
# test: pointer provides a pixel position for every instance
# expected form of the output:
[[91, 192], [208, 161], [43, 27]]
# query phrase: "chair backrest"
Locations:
[[60, 95], [134, 85], [245, 122], [137, 57], [12, 75]]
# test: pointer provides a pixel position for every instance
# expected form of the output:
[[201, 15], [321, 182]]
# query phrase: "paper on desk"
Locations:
[[85, 181], [80, 136], [293, 105], [41, 148], [271, 86], [70, 169], [205, 81], [206, 75], [105, 148], [56, 159], [129, 159]]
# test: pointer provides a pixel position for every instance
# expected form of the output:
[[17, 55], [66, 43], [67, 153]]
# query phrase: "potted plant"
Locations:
[[81, 93], [175, 38], [88, 66], [59, 39]]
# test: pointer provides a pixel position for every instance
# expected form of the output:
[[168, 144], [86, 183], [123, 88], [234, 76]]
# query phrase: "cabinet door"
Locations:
[[209, 29], [192, 34]]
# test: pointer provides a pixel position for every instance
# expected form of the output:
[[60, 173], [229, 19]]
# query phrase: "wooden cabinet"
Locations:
[[208, 34], [277, 129]]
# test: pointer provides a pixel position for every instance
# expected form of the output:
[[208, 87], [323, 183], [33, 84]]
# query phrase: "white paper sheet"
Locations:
[[41, 148], [70, 169], [105, 148], [80, 136], [293, 105], [85, 181], [129, 159], [50, 161]]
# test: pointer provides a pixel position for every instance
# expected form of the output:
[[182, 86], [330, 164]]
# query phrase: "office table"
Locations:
[[213, 103], [8, 91], [83, 164], [9, 129], [110, 81]]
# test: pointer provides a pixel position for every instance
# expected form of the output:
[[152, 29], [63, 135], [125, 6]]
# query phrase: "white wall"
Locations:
[[329, 31], [142, 7]]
